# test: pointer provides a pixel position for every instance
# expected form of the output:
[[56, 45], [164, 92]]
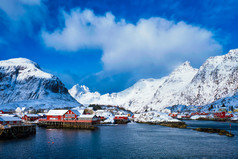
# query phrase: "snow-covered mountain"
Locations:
[[23, 83], [83, 94], [214, 80]]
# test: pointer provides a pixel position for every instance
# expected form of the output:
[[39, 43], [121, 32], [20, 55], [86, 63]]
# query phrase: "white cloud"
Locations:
[[17, 8], [22, 16], [154, 42]]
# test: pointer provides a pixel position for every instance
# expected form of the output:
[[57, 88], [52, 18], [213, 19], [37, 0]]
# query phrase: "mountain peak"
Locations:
[[18, 61], [184, 67], [186, 64], [233, 52], [79, 90]]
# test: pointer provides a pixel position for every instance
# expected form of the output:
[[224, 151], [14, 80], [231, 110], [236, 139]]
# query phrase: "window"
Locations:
[[53, 118]]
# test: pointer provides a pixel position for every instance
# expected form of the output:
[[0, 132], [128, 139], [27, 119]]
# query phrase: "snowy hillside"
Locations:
[[83, 93], [214, 80], [23, 83], [141, 94]]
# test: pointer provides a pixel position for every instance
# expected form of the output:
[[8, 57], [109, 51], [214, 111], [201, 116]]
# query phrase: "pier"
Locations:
[[70, 124], [16, 131]]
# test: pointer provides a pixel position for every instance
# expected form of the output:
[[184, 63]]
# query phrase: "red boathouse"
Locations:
[[5, 120], [31, 117], [53, 115]]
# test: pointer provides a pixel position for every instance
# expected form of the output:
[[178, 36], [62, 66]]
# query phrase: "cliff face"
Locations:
[[215, 80], [23, 82]]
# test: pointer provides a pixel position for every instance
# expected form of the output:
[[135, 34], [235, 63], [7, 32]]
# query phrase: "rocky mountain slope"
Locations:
[[23, 83], [215, 80]]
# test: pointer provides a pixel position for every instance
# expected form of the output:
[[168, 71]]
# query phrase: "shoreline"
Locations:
[[167, 124]]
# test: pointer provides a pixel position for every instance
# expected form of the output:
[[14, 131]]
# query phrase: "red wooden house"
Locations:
[[31, 117], [173, 115], [6, 120], [220, 115], [5, 112], [61, 115], [93, 119], [121, 119], [125, 117]]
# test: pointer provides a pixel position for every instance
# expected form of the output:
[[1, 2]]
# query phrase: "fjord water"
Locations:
[[126, 141]]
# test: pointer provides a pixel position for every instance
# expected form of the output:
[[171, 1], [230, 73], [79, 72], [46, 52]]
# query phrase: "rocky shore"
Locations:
[[167, 124], [214, 130]]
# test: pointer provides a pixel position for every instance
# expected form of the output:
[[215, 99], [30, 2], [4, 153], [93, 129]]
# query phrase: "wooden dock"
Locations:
[[121, 121], [16, 131], [71, 124]]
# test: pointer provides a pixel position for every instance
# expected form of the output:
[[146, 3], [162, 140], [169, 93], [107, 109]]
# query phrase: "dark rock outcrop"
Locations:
[[214, 130]]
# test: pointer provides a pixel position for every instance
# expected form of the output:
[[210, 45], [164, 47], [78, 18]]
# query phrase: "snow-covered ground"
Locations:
[[109, 117], [196, 117], [154, 117]]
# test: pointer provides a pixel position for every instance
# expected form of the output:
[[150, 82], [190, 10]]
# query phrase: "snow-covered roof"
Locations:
[[86, 116], [8, 115], [42, 114], [76, 112], [121, 115], [57, 112], [81, 111], [8, 118], [100, 111], [32, 115]]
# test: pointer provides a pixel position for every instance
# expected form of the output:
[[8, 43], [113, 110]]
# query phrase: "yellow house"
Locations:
[[222, 109], [235, 110]]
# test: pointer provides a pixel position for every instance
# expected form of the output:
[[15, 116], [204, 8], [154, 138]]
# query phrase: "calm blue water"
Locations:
[[125, 141]]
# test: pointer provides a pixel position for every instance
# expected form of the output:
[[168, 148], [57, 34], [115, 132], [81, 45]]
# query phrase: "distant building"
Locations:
[[31, 117], [220, 115], [89, 119], [235, 110], [6, 120], [121, 119], [5, 112]]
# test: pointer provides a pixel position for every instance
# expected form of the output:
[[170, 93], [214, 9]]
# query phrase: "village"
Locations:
[[217, 113], [22, 122], [76, 118]]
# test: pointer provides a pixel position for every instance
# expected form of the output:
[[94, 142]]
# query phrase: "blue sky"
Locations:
[[108, 45]]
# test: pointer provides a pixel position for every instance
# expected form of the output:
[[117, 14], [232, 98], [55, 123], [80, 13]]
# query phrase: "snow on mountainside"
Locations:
[[140, 95], [23, 83], [83, 93], [214, 80]]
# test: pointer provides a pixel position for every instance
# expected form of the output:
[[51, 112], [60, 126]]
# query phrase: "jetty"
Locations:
[[67, 124], [16, 131]]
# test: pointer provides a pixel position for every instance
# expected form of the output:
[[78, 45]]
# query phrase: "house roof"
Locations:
[[8, 118], [76, 112], [57, 112], [8, 115], [121, 115], [86, 116], [32, 115]]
